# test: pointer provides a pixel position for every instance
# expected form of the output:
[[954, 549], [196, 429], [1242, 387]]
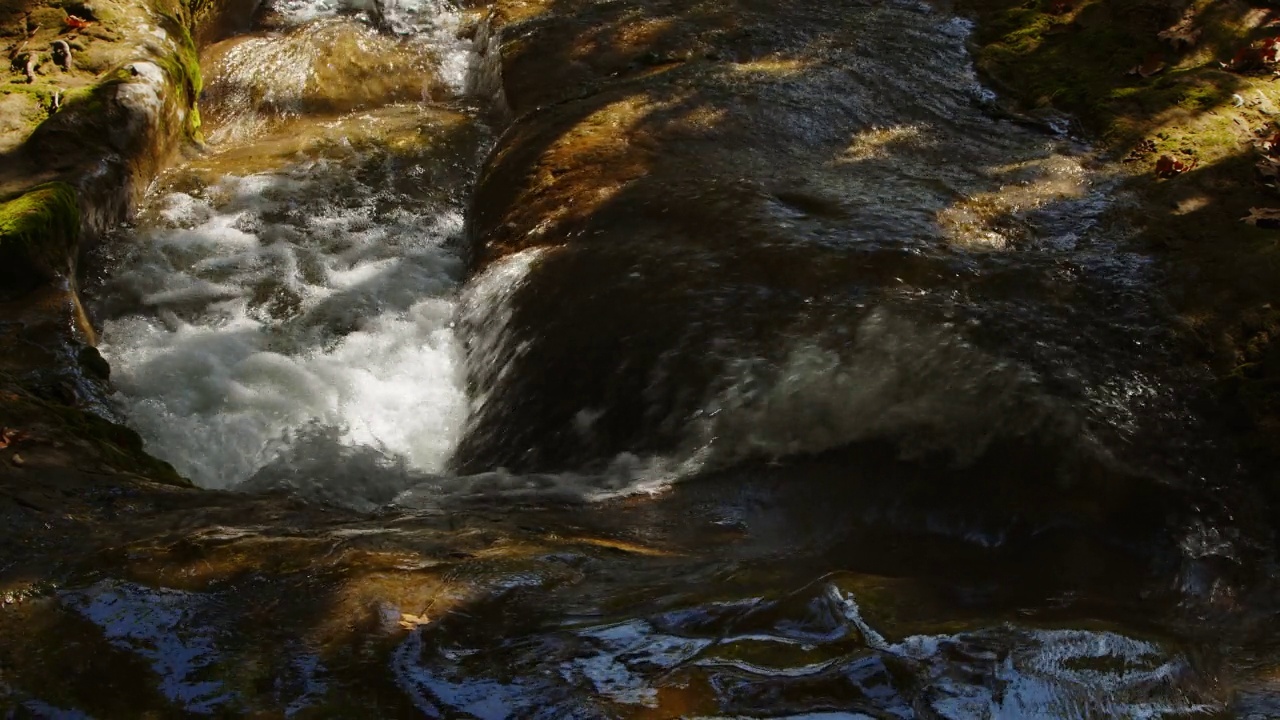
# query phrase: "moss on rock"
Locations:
[[183, 68], [1149, 78], [38, 237]]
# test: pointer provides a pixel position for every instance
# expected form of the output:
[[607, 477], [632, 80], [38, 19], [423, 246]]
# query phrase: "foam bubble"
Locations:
[[268, 305]]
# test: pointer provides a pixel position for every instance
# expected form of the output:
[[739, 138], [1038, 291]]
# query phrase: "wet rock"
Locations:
[[39, 232], [264, 79], [93, 363], [696, 191]]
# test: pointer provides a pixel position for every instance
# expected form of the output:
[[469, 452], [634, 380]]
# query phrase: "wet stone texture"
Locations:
[[111, 97], [717, 199], [745, 235]]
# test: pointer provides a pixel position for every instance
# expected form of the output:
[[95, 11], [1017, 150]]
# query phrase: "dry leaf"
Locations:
[[410, 622], [1261, 53], [1141, 150], [1267, 218], [1269, 169], [1270, 49], [1271, 145], [1153, 64], [10, 436], [1167, 167]]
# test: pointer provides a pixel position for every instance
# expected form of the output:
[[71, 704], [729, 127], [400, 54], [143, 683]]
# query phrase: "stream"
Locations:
[[932, 455]]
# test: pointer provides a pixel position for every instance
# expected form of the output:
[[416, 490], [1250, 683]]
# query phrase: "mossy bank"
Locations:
[[96, 100], [1181, 95]]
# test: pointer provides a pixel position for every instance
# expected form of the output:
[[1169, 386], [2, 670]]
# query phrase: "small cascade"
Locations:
[[296, 286]]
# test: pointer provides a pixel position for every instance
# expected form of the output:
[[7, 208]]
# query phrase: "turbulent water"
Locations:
[[299, 288], [291, 305], [292, 310]]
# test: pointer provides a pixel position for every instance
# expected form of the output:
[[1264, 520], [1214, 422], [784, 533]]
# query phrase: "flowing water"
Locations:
[[970, 487]]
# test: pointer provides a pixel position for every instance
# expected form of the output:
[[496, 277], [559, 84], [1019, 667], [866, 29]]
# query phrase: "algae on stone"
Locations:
[[38, 236], [1220, 274]]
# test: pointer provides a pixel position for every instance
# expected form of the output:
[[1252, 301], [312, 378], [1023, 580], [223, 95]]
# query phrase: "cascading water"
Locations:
[[298, 285], [285, 312], [292, 310]]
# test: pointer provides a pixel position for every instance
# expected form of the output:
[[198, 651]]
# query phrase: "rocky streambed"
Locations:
[[570, 359]]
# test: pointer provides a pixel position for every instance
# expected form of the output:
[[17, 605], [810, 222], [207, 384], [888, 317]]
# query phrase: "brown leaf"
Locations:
[[409, 621], [1261, 53], [1246, 58], [1271, 145], [1141, 150], [10, 436], [1182, 35], [1267, 218], [1167, 166], [1270, 49], [1269, 169], [1153, 64]]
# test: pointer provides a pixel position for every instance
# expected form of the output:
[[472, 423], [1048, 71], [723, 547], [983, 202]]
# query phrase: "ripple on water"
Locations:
[[721, 660], [165, 627]]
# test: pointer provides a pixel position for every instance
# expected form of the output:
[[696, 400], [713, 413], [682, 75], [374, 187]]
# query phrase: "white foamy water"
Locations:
[[435, 22], [271, 305], [300, 317]]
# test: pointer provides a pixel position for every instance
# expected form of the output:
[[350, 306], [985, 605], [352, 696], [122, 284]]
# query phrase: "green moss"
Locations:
[[1079, 63], [183, 69], [39, 231], [1217, 270]]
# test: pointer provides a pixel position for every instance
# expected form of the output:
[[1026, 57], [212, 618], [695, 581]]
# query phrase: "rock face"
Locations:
[[111, 98], [703, 183], [38, 234], [657, 153]]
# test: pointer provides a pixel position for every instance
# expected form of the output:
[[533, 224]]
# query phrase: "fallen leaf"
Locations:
[[1153, 64], [1182, 35], [1246, 58], [1271, 145], [1267, 218], [1141, 150], [1167, 166], [1252, 57], [77, 22], [1269, 169], [10, 436], [409, 622]]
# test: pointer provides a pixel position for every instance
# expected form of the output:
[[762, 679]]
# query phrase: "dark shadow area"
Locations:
[[735, 258], [1220, 273], [280, 602], [726, 234]]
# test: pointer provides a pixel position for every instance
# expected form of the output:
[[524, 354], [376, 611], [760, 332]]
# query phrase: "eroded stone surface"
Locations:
[[719, 181]]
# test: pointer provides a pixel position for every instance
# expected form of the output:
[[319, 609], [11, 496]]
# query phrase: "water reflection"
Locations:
[[811, 652]]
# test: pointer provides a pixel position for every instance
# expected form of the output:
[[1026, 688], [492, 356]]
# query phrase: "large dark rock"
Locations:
[[708, 186]]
